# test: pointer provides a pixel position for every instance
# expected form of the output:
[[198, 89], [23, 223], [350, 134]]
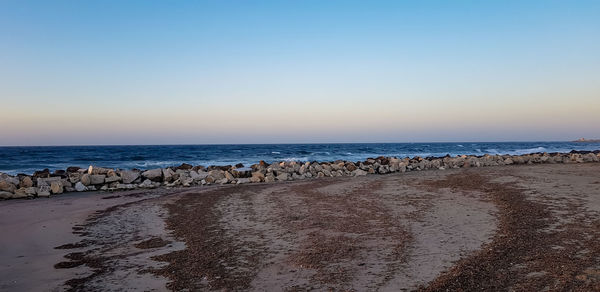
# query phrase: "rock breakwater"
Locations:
[[74, 179]]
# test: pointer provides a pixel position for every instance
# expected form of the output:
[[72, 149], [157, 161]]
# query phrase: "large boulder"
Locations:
[[74, 177], [147, 184], [229, 176], [43, 191], [129, 176], [351, 166], [56, 187], [257, 177], [111, 179], [185, 179], [168, 175], [86, 179], [217, 174], [26, 182], [7, 186], [359, 172], [153, 174], [270, 178], [7, 195], [21, 193], [283, 176], [97, 179], [10, 179], [98, 170], [80, 187], [31, 191]]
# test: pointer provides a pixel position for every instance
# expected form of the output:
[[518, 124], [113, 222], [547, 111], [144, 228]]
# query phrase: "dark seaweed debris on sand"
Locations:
[[522, 256]]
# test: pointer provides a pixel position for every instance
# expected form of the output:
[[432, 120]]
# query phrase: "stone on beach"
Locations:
[[26, 182], [153, 174], [97, 179], [147, 184], [7, 195], [7, 186], [43, 191], [86, 180], [129, 176], [111, 179], [257, 176], [168, 174], [80, 187], [56, 187]]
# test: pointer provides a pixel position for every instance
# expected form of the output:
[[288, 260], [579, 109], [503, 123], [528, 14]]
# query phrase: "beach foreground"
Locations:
[[517, 227]]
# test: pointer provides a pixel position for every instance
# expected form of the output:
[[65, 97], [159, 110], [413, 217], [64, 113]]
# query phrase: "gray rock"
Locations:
[[269, 178], [153, 174], [217, 174], [283, 176], [10, 179], [97, 179], [31, 191], [111, 179], [185, 179], [7, 195], [359, 172], [242, 180], [21, 193], [74, 177], [168, 174], [147, 184], [43, 191], [128, 176], [202, 174], [86, 179], [80, 187]]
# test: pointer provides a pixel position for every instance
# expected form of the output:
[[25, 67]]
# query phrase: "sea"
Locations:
[[27, 159]]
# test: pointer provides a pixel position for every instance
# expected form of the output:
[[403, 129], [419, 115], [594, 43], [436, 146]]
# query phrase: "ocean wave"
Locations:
[[529, 150], [275, 152], [295, 159], [492, 151]]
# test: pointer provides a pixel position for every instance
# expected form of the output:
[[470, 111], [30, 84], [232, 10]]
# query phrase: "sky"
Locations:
[[204, 72]]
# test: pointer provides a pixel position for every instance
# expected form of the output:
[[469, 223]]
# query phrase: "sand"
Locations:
[[521, 228]]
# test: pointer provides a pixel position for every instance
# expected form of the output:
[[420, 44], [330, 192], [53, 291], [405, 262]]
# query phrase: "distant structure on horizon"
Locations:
[[587, 140]]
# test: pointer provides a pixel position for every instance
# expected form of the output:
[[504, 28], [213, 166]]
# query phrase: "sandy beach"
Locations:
[[520, 228]]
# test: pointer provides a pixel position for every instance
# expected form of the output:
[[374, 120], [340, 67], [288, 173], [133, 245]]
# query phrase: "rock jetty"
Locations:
[[74, 179]]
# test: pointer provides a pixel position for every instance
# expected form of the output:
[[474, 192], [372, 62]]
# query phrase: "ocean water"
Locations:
[[15, 160]]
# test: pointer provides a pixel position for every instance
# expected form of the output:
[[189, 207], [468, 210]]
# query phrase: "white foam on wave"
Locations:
[[529, 150], [275, 152], [296, 159]]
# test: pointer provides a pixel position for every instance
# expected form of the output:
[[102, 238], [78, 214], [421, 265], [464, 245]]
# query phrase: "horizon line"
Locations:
[[294, 143]]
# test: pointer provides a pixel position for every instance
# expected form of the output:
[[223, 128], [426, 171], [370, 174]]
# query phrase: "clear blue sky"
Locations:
[[166, 72]]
